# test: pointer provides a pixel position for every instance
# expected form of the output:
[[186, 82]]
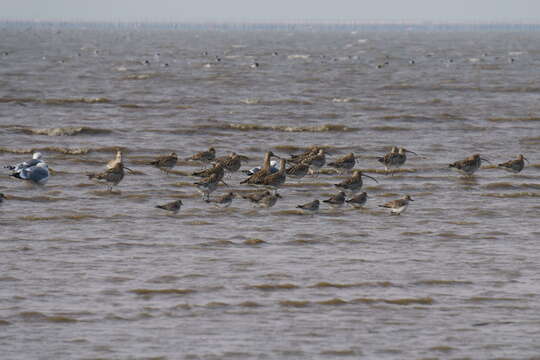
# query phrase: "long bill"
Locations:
[[412, 152], [372, 178], [489, 162]]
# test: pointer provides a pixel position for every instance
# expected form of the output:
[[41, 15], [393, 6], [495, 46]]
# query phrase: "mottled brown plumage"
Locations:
[[298, 170], [111, 176], [230, 163], [261, 174], [468, 165], [204, 156], [165, 162], [217, 168], [346, 162], [353, 183], [515, 165], [277, 179]]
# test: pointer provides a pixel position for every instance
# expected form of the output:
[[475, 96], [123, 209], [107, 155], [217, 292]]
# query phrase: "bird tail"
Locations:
[[16, 175], [91, 176], [452, 165], [381, 160]]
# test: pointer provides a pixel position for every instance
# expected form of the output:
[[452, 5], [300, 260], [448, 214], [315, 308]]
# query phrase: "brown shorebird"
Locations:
[[312, 206], [468, 165], [255, 197], [204, 156], [354, 183], [316, 161], [298, 170], [207, 185], [358, 200], [111, 176], [173, 207], [268, 201], [223, 201], [398, 206], [277, 179], [402, 157], [346, 162], [261, 174], [336, 200], [389, 159], [273, 168], [515, 165], [217, 168], [301, 157], [118, 159], [165, 162], [231, 163]]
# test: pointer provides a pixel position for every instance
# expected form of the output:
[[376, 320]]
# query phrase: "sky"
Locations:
[[272, 10]]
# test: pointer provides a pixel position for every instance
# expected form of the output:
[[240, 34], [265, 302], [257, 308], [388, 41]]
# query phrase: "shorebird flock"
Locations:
[[268, 177]]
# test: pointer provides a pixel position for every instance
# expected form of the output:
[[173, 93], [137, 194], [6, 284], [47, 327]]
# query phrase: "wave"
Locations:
[[274, 287], [35, 316], [66, 131], [404, 301], [496, 89], [138, 77], [410, 118], [57, 101], [443, 282], [254, 242], [281, 128], [513, 195], [152, 292], [344, 100], [509, 186], [294, 303], [61, 150], [517, 119], [324, 284], [76, 217], [335, 353], [256, 101]]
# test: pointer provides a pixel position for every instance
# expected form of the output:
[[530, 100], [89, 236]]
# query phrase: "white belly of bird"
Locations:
[[399, 210]]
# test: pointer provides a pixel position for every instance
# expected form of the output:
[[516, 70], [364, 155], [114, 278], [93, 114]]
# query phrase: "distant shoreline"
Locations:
[[301, 25]]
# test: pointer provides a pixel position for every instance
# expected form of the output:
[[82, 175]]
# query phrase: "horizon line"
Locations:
[[404, 22]]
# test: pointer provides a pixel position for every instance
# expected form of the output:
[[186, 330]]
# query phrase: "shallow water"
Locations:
[[90, 274]]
